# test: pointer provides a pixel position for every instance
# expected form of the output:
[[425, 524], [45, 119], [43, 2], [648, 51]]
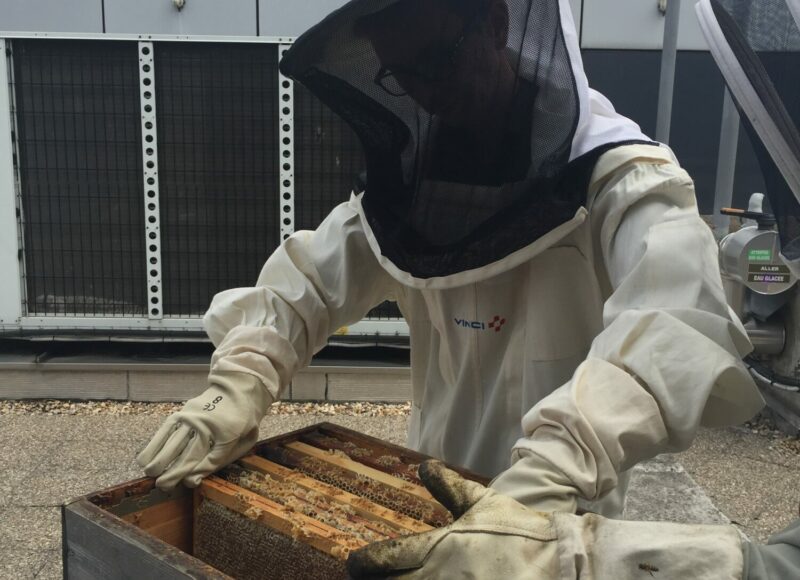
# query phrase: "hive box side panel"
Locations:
[[98, 546], [248, 549]]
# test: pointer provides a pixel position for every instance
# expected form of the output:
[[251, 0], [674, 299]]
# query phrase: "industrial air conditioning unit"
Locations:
[[756, 46], [147, 173]]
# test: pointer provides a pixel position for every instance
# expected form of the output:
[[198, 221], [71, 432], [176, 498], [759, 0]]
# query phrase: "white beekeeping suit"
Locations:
[[561, 290]]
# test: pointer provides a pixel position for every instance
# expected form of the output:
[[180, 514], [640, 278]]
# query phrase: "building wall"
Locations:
[[230, 18]]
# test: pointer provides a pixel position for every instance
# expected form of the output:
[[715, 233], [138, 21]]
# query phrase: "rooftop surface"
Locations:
[[55, 451]]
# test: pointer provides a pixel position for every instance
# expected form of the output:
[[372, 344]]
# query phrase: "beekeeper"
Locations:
[[565, 309]]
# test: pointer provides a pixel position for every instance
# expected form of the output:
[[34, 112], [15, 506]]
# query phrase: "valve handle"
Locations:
[[765, 220]]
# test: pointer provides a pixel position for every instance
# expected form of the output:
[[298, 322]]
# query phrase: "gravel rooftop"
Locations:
[[750, 472]]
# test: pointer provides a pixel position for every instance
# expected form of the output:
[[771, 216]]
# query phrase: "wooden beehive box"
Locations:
[[294, 508]]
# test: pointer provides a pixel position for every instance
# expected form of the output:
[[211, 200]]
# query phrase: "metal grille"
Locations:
[[80, 170], [218, 171], [328, 160], [83, 200]]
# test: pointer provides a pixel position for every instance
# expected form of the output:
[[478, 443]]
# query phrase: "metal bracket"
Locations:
[[152, 211], [17, 179], [286, 149]]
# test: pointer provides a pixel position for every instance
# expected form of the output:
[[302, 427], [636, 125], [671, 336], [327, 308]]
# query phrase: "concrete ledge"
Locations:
[[369, 386], [59, 384], [661, 490], [154, 386], [178, 382], [309, 386]]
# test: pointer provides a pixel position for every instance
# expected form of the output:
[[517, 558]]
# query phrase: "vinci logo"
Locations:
[[495, 324]]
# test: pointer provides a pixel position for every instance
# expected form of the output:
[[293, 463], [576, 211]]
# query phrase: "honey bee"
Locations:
[[649, 568]]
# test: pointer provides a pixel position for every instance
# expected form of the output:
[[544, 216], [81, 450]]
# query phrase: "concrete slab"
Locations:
[[90, 456], [21, 564], [51, 568], [52, 489], [369, 387], [309, 387], [33, 384], [753, 478], [166, 386], [754, 503], [670, 496], [16, 462], [31, 528], [104, 427], [7, 488], [51, 459]]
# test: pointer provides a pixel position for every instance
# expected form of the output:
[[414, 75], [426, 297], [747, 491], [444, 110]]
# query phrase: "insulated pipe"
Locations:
[[767, 337], [726, 164], [765, 381], [667, 85]]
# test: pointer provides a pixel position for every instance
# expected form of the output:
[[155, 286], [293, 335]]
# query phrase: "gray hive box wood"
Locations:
[[293, 508]]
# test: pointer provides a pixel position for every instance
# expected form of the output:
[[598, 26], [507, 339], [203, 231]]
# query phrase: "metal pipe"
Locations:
[[768, 338], [668, 57], [726, 164]]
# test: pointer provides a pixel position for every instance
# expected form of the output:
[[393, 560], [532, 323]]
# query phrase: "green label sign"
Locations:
[[759, 255]]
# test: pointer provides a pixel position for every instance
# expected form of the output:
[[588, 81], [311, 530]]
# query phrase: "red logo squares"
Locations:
[[497, 323]]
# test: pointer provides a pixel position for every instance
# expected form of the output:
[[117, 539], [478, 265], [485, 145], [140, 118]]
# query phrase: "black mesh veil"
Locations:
[[466, 109], [756, 43]]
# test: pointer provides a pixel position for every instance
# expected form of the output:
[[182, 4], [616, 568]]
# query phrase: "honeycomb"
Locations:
[[248, 550], [314, 505], [360, 485], [375, 458], [269, 523]]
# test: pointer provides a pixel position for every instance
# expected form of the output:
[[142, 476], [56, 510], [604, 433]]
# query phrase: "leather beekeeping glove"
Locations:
[[209, 432], [535, 483], [495, 536]]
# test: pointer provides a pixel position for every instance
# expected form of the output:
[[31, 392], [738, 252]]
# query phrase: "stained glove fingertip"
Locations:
[[362, 565], [454, 492]]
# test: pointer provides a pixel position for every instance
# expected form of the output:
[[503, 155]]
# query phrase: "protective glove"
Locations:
[[496, 537], [493, 537], [211, 431], [535, 483]]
